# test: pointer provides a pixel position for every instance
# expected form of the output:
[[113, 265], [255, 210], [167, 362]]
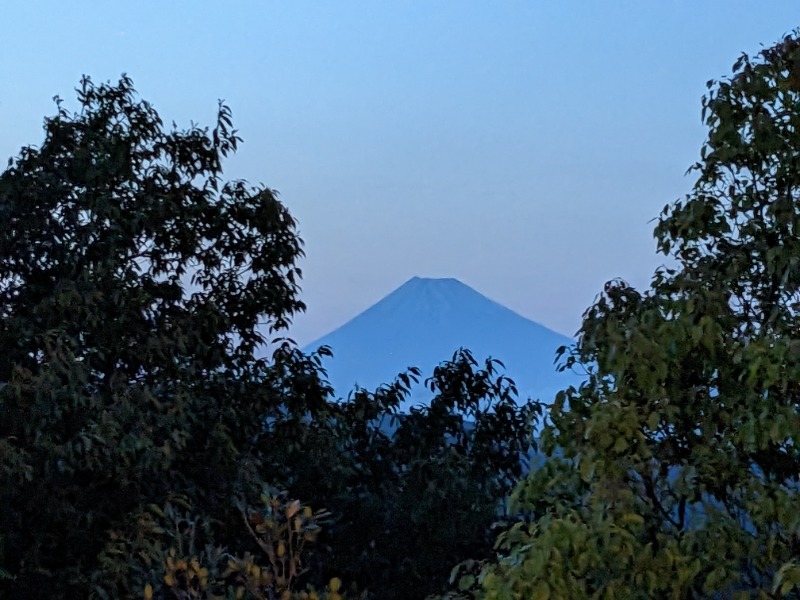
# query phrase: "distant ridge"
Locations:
[[424, 321]]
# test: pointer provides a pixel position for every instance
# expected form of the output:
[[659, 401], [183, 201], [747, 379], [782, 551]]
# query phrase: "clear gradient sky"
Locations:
[[520, 146]]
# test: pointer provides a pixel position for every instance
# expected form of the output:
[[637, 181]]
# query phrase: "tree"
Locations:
[[673, 471], [410, 495], [133, 285], [138, 427]]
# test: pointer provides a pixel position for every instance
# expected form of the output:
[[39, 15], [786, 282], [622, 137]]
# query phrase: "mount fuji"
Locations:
[[423, 322]]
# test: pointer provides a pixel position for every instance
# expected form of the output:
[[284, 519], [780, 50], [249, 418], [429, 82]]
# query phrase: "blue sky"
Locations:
[[522, 147]]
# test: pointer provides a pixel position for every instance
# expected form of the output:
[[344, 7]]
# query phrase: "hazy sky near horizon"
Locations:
[[520, 146]]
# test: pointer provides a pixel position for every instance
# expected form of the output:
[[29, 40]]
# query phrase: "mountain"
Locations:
[[423, 322]]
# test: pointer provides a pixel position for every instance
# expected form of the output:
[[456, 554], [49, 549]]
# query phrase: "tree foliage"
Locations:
[[139, 424], [673, 470], [411, 494], [132, 283]]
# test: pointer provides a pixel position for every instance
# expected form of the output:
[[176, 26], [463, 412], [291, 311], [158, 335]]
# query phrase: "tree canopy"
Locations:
[[673, 471], [132, 281], [147, 447]]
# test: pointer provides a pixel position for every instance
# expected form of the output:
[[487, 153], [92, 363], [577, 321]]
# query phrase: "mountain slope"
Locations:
[[424, 321]]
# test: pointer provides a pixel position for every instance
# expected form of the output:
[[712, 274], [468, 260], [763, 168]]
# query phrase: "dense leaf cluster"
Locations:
[[132, 281], [674, 468], [138, 423], [411, 494]]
